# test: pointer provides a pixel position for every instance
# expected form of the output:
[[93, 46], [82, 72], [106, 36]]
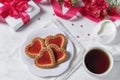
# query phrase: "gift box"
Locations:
[[18, 19]]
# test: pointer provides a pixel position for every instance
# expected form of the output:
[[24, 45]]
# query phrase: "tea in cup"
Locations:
[[97, 61]]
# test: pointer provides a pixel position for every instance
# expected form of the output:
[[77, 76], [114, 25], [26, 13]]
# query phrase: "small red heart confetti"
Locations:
[[88, 34], [78, 36], [81, 26], [78, 16], [72, 24], [38, 18], [53, 14]]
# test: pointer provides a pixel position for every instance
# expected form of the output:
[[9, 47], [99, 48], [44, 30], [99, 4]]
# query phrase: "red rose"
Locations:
[[96, 8], [87, 9], [67, 3], [87, 1], [98, 14], [113, 11], [100, 4]]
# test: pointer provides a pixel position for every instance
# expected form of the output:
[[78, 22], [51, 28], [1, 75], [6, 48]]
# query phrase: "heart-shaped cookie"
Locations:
[[58, 39], [46, 59], [59, 53], [34, 48]]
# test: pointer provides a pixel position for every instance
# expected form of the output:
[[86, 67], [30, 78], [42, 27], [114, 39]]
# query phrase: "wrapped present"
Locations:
[[16, 13], [65, 9]]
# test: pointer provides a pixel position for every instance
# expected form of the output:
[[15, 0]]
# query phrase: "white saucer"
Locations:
[[61, 68]]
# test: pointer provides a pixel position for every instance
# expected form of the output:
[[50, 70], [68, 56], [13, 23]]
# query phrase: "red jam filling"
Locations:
[[45, 59], [57, 41], [57, 54], [35, 48]]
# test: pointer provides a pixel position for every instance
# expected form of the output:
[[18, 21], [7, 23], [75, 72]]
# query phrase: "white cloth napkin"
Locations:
[[9, 40]]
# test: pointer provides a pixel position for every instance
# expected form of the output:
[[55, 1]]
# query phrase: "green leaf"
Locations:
[[73, 1], [109, 1], [60, 0]]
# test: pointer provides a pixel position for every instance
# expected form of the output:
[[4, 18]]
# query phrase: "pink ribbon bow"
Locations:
[[15, 8], [58, 10]]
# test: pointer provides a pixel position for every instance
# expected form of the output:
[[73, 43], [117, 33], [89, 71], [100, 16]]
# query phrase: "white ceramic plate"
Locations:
[[61, 68]]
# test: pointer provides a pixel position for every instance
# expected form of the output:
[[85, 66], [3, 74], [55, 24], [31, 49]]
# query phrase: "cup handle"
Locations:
[[117, 23]]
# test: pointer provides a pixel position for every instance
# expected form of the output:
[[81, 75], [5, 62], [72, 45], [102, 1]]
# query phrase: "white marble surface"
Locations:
[[11, 64]]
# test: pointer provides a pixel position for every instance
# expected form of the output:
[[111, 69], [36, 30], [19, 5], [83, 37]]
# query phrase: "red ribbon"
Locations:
[[37, 0], [15, 8], [58, 10]]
